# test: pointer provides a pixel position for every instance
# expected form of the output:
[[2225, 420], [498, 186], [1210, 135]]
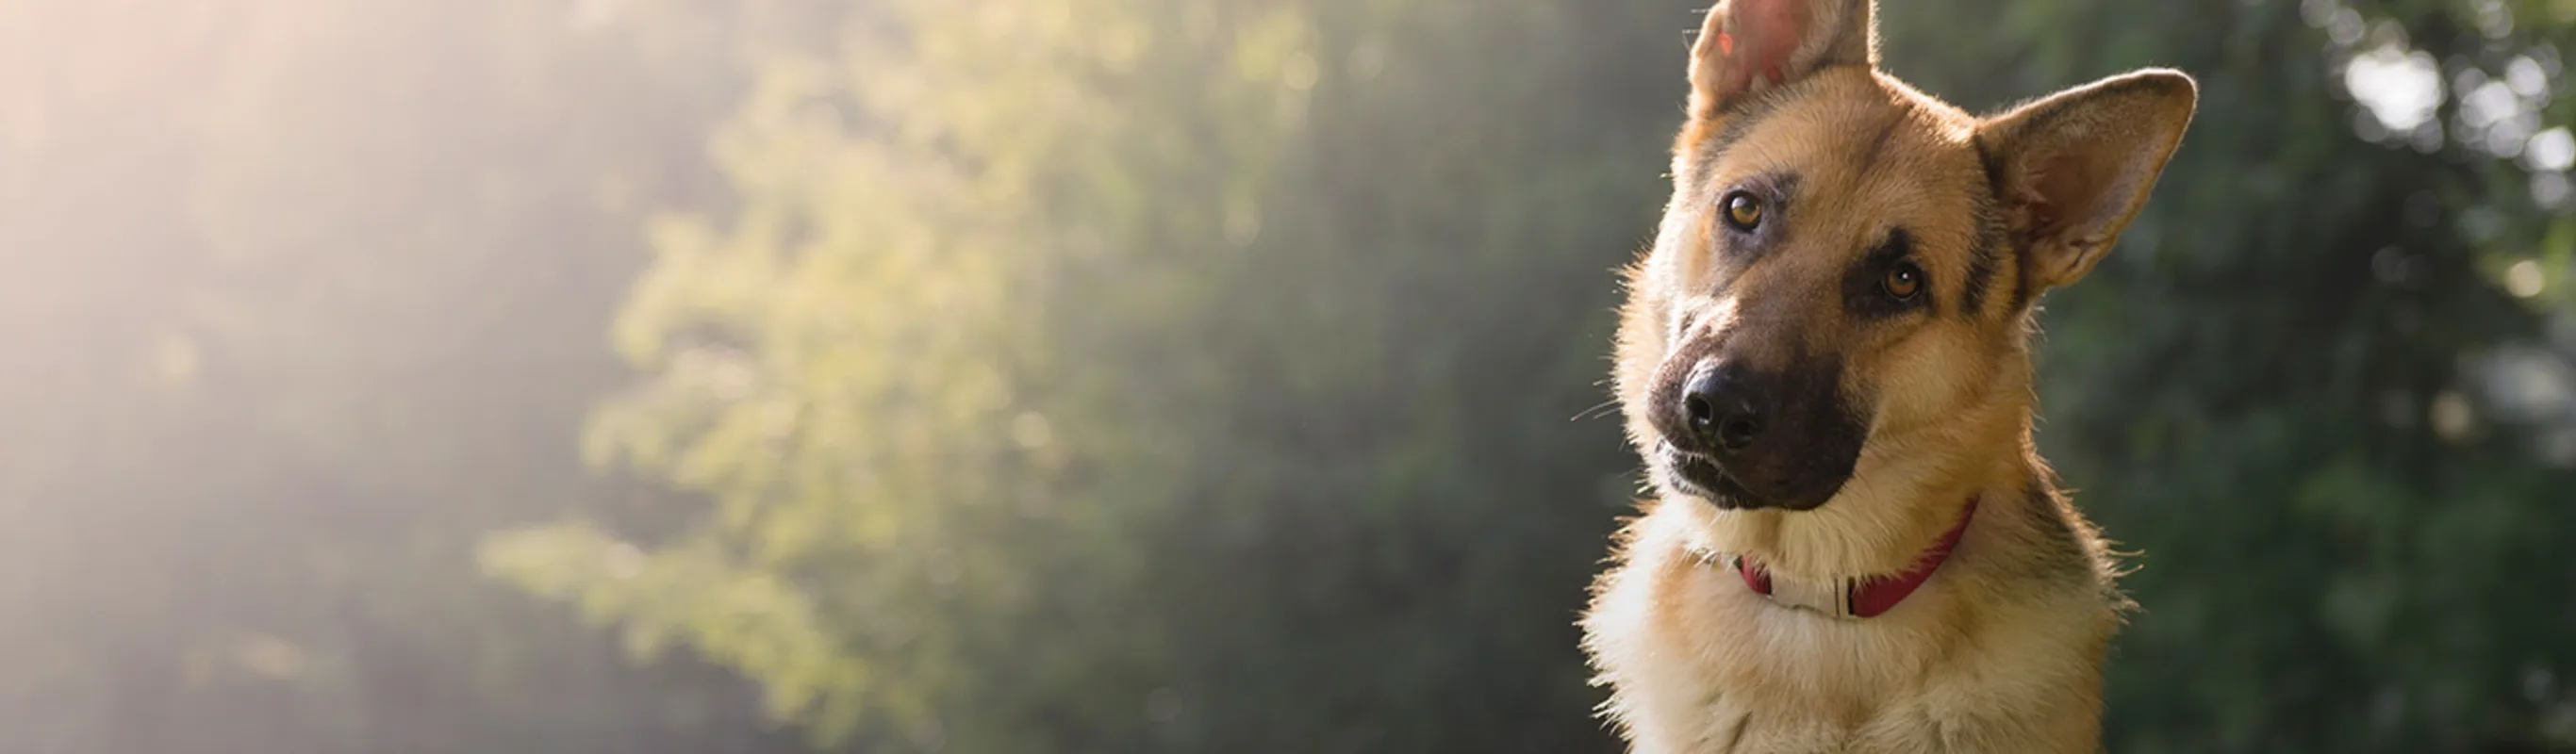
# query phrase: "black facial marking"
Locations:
[[1814, 439], [1993, 168], [1746, 247], [1864, 295], [1995, 239], [1982, 264]]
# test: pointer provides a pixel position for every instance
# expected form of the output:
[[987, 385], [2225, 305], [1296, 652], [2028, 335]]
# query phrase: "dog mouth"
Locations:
[[1699, 476]]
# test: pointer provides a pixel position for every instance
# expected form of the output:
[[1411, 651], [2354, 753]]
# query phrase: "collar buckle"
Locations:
[[1832, 599]]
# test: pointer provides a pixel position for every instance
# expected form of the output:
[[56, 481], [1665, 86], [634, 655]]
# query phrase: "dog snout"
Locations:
[[1722, 408], [1749, 437], [1718, 410]]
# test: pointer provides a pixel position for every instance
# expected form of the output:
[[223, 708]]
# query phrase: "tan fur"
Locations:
[[2001, 650]]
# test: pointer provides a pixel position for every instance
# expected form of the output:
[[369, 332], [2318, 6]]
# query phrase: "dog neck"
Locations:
[[1866, 597]]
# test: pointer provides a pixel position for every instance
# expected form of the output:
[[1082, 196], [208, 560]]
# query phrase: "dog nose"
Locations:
[[1721, 408]]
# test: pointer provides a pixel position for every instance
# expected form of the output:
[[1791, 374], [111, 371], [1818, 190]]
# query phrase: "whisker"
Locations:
[[1595, 410]]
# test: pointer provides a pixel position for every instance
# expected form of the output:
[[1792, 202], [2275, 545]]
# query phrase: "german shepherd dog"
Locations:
[[1825, 361]]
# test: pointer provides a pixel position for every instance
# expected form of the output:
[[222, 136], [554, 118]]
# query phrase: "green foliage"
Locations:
[[1163, 375], [902, 367], [2254, 391], [1095, 385]]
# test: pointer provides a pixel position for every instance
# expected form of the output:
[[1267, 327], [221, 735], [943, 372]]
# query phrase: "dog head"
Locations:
[[1840, 287]]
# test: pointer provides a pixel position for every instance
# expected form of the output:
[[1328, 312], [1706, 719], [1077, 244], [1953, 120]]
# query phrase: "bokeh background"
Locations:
[[676, 376]]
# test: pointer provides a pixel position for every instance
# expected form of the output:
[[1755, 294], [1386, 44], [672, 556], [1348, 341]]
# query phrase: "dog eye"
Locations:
[[1742, 210], [1902, 281]]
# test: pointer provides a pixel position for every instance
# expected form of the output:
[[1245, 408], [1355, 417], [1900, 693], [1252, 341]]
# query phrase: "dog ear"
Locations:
[[2072, 168], [1748, 45]]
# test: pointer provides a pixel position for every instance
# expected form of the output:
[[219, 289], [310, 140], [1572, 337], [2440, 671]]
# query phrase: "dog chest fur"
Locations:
[[1997, 653]]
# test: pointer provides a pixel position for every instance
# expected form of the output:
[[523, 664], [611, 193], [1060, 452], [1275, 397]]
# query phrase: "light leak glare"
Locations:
[[2552, 150], [2400, 87], [2524, 279]]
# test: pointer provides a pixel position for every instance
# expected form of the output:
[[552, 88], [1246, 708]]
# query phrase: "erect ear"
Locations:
[[2073, 168], [1747, 45]]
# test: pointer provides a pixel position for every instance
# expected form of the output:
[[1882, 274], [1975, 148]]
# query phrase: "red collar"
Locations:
[[1864, 597]]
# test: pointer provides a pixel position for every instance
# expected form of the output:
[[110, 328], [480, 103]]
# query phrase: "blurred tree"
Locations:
[[927, 370], [1129, 375], [2273, 389]]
